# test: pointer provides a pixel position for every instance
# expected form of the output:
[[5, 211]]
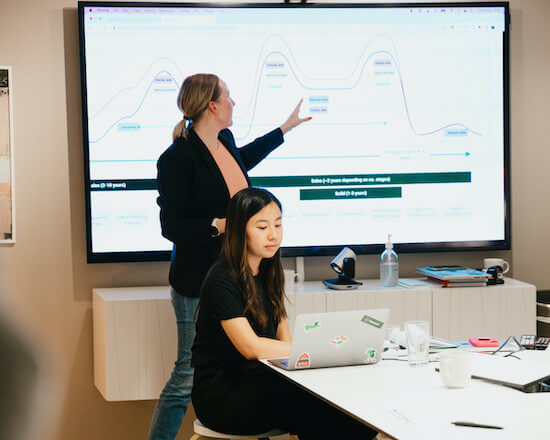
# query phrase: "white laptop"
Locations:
[[525, 375], [335, 339]]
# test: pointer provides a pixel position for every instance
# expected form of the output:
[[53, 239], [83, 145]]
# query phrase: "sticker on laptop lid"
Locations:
[[338, 341], [313, 326], [371, 356], [303, 361], [371, 321]]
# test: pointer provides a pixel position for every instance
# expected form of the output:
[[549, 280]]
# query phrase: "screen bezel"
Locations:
[[146, 256]]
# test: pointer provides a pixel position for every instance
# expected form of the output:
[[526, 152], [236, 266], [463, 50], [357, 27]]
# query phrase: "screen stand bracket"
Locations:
[[300, 269]]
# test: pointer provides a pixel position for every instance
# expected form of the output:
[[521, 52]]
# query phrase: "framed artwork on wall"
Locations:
[[7, 193]]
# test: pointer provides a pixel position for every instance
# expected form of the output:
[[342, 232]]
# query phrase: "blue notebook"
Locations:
[[453, 273]]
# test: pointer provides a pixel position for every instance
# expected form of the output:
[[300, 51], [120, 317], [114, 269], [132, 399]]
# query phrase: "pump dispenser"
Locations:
[[389, 266]]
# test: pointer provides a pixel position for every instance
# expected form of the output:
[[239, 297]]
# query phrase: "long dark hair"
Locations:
[[243, 205]]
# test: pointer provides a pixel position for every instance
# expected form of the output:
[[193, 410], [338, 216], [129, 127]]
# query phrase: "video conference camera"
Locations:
[[344, 265]]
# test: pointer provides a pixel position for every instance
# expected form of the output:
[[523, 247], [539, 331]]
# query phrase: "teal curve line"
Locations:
[[320, 123], [293, 70], [274, 36]]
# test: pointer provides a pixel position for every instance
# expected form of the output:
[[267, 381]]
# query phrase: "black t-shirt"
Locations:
[[221, 299]]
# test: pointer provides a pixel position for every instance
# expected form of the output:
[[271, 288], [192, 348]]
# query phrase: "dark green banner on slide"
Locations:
[[350, 193], [362, 179]]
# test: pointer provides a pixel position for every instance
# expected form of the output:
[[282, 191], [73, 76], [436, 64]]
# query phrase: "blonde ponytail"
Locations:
[[180, 130], [195, 94]]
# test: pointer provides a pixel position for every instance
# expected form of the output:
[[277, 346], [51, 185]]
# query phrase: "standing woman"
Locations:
[[197, 176]]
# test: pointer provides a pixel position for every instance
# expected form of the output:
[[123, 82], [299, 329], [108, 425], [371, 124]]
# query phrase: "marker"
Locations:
[[476, 425]]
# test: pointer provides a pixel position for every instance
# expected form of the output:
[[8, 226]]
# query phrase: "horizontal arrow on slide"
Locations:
[[451, 154]]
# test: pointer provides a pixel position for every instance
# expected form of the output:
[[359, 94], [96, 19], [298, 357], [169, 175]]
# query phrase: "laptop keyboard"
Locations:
[[285, 362]]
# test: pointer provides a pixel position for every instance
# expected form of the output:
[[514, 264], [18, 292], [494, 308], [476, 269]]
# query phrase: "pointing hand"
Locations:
[[294, 119]]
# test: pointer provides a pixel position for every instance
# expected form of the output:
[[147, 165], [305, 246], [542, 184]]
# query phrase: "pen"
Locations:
[[400, 416], [476, 425]]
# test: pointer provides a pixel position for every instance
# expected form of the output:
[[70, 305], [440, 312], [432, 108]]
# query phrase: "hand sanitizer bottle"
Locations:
[[389, 266]]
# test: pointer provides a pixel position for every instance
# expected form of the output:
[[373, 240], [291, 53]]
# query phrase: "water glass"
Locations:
[[418, 342]]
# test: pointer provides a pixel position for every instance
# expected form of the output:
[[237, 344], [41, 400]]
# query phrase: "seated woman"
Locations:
[[242, 319]]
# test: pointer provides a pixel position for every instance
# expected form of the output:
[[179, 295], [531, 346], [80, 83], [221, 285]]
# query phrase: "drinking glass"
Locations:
[[418, 341]]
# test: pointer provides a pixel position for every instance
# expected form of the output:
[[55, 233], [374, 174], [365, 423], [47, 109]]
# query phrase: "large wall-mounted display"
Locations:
[[409, 134]]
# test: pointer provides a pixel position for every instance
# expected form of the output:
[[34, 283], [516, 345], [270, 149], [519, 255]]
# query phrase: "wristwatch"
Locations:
[[214, 231]]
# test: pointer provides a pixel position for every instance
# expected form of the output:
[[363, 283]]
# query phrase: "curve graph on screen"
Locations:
[[274, 59]]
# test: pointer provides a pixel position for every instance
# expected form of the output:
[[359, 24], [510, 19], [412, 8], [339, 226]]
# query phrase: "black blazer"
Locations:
[[192, 192]]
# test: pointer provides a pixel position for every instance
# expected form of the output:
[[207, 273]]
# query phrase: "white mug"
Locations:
[[291, 278], [454, 368], [490, 262]]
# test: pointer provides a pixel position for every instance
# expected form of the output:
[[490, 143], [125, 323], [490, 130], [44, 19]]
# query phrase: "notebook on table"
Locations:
[[453, 273], [335, 339]]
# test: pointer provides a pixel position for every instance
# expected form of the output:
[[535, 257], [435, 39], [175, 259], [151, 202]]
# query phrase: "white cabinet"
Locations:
[[135, 341], [404, 304], [135, 336], [497, 311]]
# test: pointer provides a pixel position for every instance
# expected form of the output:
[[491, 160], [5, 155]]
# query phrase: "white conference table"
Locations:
[[411, 403]]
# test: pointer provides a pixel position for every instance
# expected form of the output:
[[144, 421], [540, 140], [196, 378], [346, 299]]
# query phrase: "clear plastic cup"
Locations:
[[418, 342]]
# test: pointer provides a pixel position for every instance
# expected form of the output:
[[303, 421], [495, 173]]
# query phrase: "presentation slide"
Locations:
[[407, 135]]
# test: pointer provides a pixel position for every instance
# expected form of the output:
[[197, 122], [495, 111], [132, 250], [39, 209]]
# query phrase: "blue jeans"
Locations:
[[176, 395]]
